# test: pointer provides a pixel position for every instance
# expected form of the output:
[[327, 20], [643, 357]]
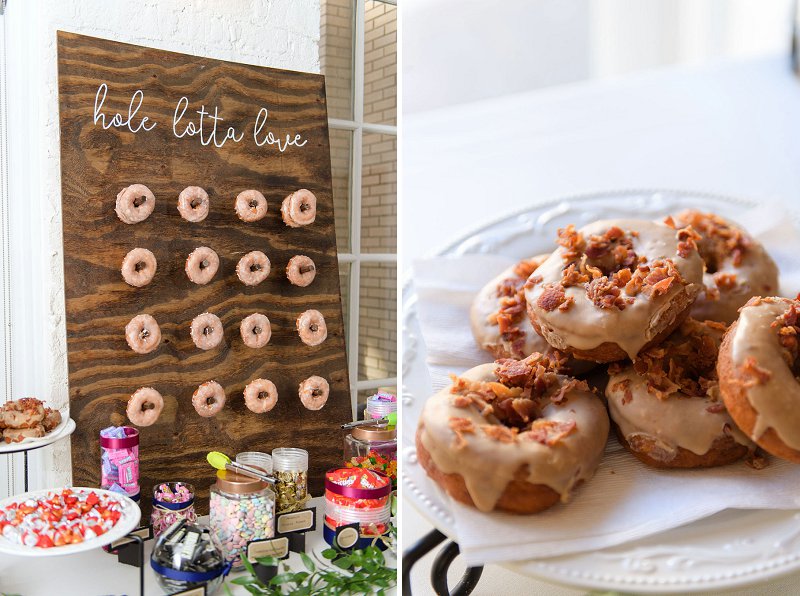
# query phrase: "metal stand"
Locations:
[[132, 553], [440, 566]]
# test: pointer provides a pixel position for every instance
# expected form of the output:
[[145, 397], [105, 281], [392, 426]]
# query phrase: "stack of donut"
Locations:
[[703, 366]]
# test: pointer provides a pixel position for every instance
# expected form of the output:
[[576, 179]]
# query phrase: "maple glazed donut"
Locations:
[[737, 266], [759, 367], [193, 204], [311, 328], [301, 271], [250, 206], [27, 412], [253, 268], [143, 334], [299, 208], [139, 267], [667, 409], [201, 265], [260, 396], [614, 288], [208, 399], [255, 330], [206, 331], [144, 407], [135, 203], [314, 392], [513, 435]]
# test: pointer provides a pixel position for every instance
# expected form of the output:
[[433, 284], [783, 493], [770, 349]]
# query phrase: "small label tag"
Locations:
[[269, 547], [347, 536], [296, 521], [145, 533], [201, 591]]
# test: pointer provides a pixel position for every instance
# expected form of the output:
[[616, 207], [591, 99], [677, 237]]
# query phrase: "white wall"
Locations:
[[277, 33]]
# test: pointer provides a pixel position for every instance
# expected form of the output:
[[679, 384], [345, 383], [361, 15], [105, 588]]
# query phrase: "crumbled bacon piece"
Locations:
[[605, 293], [725, 281], [572, 241], [716, 408], [552, 297], [718, 239], [756, 460], [533, 280], [525, 267], [572, 277], [502, 434], [512, 372], [462, 401], [758, 375], [461, 426], [566, 387], [551, 432]]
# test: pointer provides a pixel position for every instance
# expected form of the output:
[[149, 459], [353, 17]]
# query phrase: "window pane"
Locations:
[[380, 63], [344, 284], [379, 194], [377, 333], [336, 56], [341, 142]]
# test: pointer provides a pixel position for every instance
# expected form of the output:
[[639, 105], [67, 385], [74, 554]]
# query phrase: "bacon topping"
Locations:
[[758, 375], [716, 239], [553, 297], [502, 434], [461, 426], [551, 432], [725, 281]]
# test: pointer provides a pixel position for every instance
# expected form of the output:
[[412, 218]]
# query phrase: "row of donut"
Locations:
[[144, 335], [260, 396], [139, 267], [136, 202]]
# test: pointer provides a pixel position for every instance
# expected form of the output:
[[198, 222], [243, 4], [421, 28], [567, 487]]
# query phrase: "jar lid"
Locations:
[[289, 459], [238, 484], [373, 432]]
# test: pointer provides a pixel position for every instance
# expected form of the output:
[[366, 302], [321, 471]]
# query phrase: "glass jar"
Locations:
[[372, 448], [380, 405], [290, 468], [257, 459], [185, 557], [119, 460], [172, 502], [241, 509], [357, 496]]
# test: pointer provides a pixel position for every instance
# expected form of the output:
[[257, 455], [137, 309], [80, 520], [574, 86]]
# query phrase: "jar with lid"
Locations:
[[380, 405], [372, 447], [241, 509], [290, 467], [119, 460], [357, 496], [257, 459], [172, 502]]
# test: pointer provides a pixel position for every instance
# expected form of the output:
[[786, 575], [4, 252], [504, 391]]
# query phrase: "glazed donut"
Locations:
[[250, 205], [311, 328], [301, 271], [667, 409], [193, 204], [27, 412], [16, 435], [314, 392], [143, 334], [144, 406], [260, 396], [253, 268], [737, 266], [201, 265], [758, 374], [512, 436], [52, 418], [614, 288], [208, 399], [139, 267], [255, 330], [135, 203], [299, 208], [206, 331]]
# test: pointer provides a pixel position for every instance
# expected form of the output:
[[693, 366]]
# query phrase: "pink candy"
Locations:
[[172, 501]]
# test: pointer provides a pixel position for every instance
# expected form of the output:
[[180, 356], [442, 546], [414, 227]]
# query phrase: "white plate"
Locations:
[[129, 520], [730, 549], [64, 429]]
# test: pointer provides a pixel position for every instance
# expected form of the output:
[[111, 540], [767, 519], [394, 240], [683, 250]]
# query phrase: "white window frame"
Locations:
[[355, 257]]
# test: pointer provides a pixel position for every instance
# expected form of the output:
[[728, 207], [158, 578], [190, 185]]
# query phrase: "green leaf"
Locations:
[[268, 561], [243, 581], [308, 562], [344, 562]]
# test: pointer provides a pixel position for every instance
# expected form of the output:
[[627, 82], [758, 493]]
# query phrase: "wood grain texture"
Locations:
[[96, 164]]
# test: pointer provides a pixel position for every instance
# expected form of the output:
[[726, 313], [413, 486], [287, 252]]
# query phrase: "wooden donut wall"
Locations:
[[102, 153]]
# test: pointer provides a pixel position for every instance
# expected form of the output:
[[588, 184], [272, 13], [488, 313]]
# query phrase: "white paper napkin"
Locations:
[[625, 500]]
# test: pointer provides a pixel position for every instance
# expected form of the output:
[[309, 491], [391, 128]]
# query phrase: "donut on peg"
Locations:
[[193, 204], [135, 203], [301, 271], [206, 331], [250, 206], [256, 330], [139, 267], [314, 392], [143, 334], [253, 268], [201, 265], [299, 208], [144, 407], [208, 399], [260, 396], [311, 328]]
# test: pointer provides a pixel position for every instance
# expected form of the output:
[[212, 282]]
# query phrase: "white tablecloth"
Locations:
[[732, 128]]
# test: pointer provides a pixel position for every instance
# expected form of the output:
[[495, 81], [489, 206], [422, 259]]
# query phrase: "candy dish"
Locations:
[[128, 520]]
